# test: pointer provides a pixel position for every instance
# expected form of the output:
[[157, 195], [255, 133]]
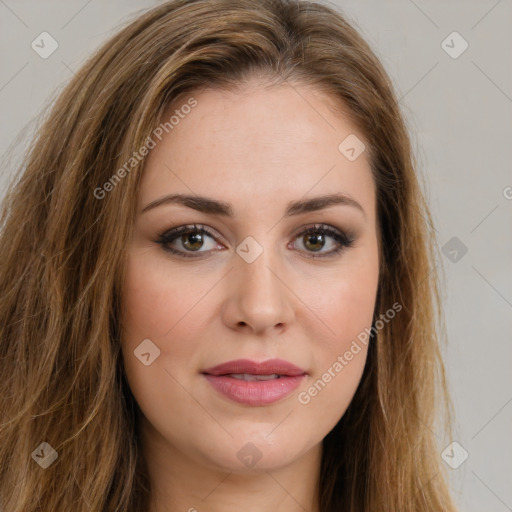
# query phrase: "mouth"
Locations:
[[256, 384]]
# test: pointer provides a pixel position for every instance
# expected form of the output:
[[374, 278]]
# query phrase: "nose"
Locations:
[[260, 299]]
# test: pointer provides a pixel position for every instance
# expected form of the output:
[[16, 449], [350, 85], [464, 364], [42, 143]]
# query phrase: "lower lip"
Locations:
[[255, 392]]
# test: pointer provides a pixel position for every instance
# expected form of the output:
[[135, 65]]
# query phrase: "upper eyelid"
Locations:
[[213, 232]]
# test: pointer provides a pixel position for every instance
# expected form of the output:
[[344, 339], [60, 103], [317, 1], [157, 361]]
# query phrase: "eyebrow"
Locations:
[[216, 207]]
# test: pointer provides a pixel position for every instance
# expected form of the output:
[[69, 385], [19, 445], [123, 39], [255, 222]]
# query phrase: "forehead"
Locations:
[[257, 145]]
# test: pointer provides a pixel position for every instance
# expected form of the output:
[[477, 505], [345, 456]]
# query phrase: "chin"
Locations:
[[252, 453]]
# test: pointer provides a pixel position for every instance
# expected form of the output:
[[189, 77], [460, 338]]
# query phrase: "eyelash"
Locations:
[[169, 236]]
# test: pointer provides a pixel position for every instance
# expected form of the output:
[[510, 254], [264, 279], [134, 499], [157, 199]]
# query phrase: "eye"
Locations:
[[192, 239], [314, 240]]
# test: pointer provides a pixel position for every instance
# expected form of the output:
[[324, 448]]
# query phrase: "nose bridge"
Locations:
[[256, 266], [261, 296]]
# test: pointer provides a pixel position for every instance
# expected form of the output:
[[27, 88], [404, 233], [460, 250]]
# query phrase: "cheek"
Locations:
[[344, 306], [156, 298], [343, 300], [340, 357], [347, 305], [154, 306]]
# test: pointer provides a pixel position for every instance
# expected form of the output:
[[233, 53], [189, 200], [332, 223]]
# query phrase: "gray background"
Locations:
[[459, 113]]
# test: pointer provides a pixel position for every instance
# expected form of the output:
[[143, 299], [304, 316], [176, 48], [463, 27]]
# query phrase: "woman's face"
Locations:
[[254, 286]]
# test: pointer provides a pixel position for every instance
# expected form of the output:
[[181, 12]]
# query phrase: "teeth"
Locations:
[[249, 377]]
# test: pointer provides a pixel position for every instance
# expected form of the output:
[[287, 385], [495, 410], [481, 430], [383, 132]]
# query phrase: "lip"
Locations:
[[255, 393], [279, 366]]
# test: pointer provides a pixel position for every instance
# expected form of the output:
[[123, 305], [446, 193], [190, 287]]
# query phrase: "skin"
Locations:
[[257, 149]]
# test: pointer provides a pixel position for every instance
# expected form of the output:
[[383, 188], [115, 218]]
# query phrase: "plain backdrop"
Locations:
[[458, 109]]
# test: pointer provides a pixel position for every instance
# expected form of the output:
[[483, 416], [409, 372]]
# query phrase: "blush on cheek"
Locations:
[[151, 305], [345, 308]]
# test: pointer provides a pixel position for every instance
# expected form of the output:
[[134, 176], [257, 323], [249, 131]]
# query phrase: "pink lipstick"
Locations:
[[252, 383]]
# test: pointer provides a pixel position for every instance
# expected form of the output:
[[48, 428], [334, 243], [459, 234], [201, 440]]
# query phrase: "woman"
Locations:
[[216, 278]]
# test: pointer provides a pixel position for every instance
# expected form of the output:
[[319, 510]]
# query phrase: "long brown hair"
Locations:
[[62, 255]]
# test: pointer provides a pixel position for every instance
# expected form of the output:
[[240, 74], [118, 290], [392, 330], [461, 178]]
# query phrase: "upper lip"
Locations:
[[269, 367]]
